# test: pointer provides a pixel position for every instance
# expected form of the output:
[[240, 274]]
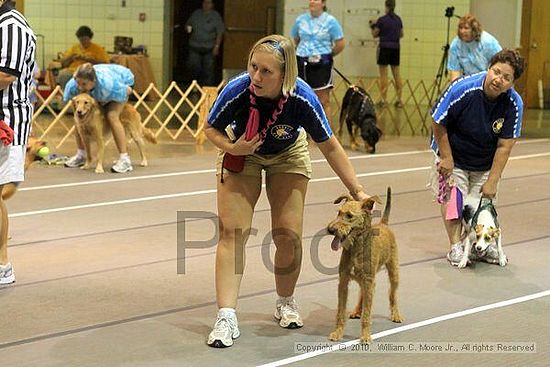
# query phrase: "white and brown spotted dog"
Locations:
[[91, 124], [482, 231], [366, 249]]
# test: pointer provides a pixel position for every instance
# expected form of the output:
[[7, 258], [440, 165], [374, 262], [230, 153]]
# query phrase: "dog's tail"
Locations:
[[149, 136], [386, 216]]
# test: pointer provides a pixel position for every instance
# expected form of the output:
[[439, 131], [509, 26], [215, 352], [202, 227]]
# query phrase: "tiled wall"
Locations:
[[425, 28], [424, 24], [58, 21]]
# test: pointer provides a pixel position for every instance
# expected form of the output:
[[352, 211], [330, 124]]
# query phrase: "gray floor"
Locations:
[[97, 284]]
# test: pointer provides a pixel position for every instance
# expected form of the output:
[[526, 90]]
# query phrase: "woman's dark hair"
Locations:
[[84, 31], [512, 58], [390, 4]]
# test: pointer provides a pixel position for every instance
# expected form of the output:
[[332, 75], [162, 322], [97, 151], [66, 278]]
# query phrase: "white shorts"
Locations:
[[469, 182], [12, 163]]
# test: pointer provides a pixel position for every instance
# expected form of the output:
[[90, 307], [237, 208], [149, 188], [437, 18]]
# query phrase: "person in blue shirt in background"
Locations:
[[318, 37], [476, 122], [110, 85], [471, 49]]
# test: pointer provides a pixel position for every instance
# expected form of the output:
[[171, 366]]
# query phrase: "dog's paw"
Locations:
[[144, 163], [86, 166], [99, 170], [336, 335], [396, 316], [355, 314], [365, 339], [502, 260], [463, 263]]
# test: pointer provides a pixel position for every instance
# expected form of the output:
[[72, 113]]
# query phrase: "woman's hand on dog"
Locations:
[[246, 147], [360, 196]]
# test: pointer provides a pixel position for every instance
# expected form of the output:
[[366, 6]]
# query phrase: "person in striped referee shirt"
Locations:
[[17, 62]]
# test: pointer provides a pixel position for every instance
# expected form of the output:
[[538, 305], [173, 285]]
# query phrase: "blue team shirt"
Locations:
[[111, 85], [301, 111], [474, 123], [317, 34], [472, 57]]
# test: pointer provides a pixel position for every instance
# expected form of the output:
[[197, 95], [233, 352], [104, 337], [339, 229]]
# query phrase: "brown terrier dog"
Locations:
[[366, 248], [33, 146]]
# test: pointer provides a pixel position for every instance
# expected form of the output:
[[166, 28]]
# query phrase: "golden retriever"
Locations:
[[90, 123]]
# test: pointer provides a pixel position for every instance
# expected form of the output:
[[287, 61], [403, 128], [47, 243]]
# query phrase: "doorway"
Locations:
[[181, 11], [246, 21], [535, 47]]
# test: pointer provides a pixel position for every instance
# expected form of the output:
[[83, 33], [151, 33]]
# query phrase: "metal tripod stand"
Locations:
[[442, 70]]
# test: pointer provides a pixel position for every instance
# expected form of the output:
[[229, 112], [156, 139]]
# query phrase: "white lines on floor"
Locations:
[[412, 326], [383, 155], [115, 180], [210, 171], [211, 191], [196, 172], [110, 203]]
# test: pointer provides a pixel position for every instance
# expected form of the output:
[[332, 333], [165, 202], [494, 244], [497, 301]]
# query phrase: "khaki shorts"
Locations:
[[294, 159], [12, 163], [469, 182]]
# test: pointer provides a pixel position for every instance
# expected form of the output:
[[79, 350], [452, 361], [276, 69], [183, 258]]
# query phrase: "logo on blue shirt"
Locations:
[[497, 125], [282, 132]]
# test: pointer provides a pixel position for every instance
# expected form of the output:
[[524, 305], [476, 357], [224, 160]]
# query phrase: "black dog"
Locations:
[[358, 112]]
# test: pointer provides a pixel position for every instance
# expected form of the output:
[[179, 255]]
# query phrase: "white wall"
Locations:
[[424, 25], [506, 27]]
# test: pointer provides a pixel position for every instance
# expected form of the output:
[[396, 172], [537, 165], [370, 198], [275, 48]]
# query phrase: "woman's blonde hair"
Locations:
[[282, 49], [85, 71], [472, 21]]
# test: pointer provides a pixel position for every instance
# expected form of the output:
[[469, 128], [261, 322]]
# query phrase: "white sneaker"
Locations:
[[7, 276], [122, 166], [287, 314], [75, 161], [225, 330]]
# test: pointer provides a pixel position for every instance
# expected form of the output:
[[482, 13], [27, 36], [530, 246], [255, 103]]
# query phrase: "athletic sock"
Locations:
[[227, 311]]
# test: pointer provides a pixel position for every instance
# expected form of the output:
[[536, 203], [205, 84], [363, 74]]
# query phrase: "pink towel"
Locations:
[[454, 206]]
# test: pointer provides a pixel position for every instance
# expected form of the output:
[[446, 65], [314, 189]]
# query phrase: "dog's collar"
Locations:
[[488, 205]]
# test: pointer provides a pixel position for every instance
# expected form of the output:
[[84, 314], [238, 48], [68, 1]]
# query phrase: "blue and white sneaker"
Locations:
[[122, 166], [7, 276], [225, 330], [286, 312], [75, 161]]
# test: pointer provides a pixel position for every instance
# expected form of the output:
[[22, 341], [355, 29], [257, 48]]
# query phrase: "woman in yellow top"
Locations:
[[79, 54]]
